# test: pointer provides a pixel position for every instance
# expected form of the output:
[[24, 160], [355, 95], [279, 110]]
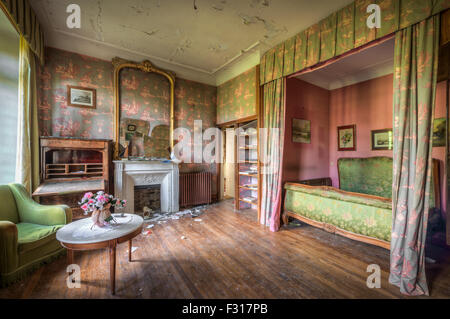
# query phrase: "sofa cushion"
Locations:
[[31, 236], [337, 194], [350, 212], [8, 208]]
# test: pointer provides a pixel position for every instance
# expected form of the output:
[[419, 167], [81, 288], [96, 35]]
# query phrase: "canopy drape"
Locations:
[[24, 19], [343, 31], [272, 152], [415, 79]]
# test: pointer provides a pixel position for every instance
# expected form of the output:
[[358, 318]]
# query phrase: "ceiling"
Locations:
[[198, 44], [362, 66]]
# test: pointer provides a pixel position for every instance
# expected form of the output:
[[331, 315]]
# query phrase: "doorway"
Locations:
[[228, 169]]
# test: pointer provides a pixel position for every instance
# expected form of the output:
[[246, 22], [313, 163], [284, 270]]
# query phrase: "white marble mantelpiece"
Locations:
[[128, 174]]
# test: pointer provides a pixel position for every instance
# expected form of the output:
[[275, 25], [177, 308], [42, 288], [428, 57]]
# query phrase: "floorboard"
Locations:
[[229, 255]]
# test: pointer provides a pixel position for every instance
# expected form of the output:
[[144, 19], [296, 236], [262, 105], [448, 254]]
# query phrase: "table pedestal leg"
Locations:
[[69, 256], [70, 261], [130, 246], [112, 268]]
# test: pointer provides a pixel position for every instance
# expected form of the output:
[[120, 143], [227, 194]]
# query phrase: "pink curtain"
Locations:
[[272, 152]]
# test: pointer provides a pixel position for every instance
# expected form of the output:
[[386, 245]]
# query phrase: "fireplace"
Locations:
[[147, 196], [146, 176]]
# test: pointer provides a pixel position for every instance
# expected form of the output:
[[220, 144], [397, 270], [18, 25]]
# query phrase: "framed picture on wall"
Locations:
[[81, 97], [301, 131], [382, 140], [439, 132], [347, 138]]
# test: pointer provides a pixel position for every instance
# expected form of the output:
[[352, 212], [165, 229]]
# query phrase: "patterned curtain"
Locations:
[[343, 31], [415, 65], [24, 19], [272, 151], [27, 160]]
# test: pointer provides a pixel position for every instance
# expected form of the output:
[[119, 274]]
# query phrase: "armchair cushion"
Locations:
[[31, 236]]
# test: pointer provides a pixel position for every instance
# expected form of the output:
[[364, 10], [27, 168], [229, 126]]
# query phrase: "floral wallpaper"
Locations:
[[56, 117], [237, 98], [143, 98]]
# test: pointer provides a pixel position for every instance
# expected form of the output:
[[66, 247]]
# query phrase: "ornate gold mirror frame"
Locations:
[[145, 66]]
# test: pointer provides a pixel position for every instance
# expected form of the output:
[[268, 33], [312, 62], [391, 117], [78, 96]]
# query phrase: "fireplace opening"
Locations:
[[147, 196]]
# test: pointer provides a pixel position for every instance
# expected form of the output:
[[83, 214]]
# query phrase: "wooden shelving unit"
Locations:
[[247, 166], [71, 170], [70, 167]]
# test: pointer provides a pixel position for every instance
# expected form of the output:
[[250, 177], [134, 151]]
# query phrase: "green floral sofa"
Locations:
[[361, 209]]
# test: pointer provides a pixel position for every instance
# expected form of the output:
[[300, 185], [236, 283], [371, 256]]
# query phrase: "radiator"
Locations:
[[195, 189]]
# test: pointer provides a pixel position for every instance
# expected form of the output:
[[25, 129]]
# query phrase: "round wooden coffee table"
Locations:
[[80, 235]]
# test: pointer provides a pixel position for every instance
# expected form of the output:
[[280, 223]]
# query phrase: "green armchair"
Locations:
[[27, 232]]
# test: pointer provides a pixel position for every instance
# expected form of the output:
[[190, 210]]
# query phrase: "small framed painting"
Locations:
[[81, 97], [301, 131], [439, 132], [347, 138], [382, 140]]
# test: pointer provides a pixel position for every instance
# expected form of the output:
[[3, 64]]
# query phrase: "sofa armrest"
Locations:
[[32, 212], [8, 247]]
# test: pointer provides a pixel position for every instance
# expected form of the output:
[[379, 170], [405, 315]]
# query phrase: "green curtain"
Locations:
[[272, 135], [415, 77], [343, 31], [27, 161], [24, 19]]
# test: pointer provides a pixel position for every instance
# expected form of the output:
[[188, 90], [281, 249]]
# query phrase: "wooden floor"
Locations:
[[229, 255]]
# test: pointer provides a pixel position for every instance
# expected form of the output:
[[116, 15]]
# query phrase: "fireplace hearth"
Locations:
[[147, 196]]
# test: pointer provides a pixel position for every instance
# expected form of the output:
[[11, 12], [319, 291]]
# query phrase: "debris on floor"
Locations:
[[155, 217], [146, 232], [133, 249], [183, 237], [150, 226]]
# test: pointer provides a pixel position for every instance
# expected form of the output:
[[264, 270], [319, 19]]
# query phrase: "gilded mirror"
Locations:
[[136, 134]]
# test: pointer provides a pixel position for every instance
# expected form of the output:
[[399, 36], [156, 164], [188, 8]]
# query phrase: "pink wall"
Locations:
[[439, 152], [368, 105], [306, 161]]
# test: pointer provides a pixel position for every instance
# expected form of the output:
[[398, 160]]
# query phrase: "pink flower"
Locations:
[[84, 207], [87, 196]]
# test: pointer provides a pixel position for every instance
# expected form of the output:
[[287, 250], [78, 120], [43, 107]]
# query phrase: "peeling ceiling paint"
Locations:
[[197, 44]]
